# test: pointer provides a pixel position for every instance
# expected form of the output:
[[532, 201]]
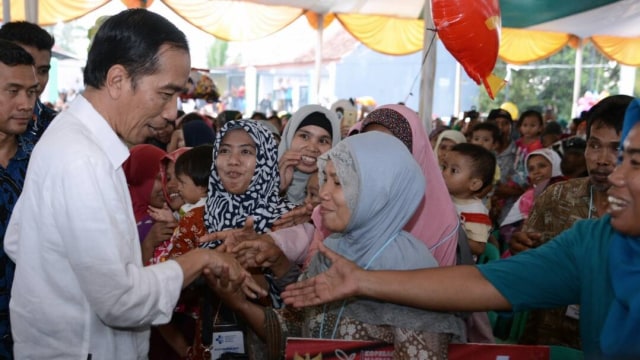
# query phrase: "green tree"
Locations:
[[549, 82], [217, 56]]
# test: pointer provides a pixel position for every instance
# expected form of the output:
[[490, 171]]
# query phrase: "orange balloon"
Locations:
[[470, 30]]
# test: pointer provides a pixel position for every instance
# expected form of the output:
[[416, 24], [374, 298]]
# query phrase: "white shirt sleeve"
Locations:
[[100, 243]]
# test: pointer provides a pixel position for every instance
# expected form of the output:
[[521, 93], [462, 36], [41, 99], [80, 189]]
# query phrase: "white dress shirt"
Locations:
[[80, 288]]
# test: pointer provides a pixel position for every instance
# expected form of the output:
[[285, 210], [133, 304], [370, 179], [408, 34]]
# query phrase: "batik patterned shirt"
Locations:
[[11, 182], [556, 210]]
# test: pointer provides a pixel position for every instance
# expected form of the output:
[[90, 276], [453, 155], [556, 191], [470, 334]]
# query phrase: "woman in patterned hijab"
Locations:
[[244, 179]]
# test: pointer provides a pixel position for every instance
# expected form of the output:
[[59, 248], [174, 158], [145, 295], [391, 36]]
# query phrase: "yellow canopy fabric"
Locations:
[[623, 50], [52, 12], [387, 35], [242, 20], [235, 20], [520, 46]]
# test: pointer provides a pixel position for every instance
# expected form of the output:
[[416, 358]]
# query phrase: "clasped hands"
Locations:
[[243, 249]]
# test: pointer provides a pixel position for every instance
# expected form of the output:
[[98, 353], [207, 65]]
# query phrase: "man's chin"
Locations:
[[133, 141], [600, 187]]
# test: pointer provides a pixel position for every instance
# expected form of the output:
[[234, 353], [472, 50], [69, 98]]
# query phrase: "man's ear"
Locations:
[[116, 81], [475, 184]]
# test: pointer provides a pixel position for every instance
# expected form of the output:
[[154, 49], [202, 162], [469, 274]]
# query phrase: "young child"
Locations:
[[487, 135], [467, 170], [530, 126], [313, 191], [543, 167], [446, 140], [192, 172]]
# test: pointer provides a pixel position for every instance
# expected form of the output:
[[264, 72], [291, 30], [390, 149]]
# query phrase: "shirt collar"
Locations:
[[24, 148], [107, 139]]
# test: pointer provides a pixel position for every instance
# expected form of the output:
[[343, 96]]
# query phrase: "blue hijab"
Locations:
[[621, 332], [382, 185]]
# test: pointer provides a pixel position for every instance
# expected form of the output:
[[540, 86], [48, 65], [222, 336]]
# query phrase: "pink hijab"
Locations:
[[435, 222]]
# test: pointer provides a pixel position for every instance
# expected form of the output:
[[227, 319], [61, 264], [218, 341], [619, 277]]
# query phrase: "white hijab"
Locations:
[[296, 190]]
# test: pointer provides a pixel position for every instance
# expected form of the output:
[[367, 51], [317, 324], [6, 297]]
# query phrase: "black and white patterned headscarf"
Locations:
[[261, 201]]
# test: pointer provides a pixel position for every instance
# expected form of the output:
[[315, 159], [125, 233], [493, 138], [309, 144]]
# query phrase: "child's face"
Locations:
[[189, 191], [483, 138], [504, 125], [456, 171], [310, 141], [313, 189], [172, 187], [573, 164], [530, 127], [539, 169], [236, 161], [444, 148]]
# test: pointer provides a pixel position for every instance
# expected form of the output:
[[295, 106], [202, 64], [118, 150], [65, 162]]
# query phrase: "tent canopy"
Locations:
[[532, 30]]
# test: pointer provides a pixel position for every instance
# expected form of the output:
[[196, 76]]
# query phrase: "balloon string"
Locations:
[[424, 60]]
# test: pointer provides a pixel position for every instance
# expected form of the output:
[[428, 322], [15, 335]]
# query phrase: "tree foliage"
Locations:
[[217, 56], [549, 82]]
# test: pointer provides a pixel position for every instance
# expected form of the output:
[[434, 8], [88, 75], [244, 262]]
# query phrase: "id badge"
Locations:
[[573, 311], [225, 342]]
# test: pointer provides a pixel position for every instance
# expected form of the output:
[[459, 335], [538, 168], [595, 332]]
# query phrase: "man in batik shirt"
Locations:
[[24, 69], [564, 203]]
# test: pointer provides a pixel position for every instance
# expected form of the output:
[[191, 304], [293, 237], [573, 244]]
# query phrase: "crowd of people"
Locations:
[[132, 230]]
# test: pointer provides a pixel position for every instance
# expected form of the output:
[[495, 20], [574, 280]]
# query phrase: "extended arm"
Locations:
[[435, 289]]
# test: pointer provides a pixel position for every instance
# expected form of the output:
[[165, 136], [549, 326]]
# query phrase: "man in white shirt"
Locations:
[[80, 290]]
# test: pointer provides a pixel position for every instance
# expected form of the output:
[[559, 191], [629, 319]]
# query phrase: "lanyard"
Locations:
[[324, 308]]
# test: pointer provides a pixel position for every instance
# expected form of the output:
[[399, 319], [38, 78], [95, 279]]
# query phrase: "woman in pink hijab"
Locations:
[[435, 222]]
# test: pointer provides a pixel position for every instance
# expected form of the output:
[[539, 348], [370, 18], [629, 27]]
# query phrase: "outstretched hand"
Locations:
[[232, 237], [299, 215], [163, 214], [340, 281]]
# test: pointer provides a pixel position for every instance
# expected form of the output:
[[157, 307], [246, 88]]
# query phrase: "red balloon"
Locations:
[[470, 30]]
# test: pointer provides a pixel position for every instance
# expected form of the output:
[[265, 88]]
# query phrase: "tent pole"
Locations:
[[457, 90], [318, 59], [6, 11], [428, 70], [31, 11], [577, 76]]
